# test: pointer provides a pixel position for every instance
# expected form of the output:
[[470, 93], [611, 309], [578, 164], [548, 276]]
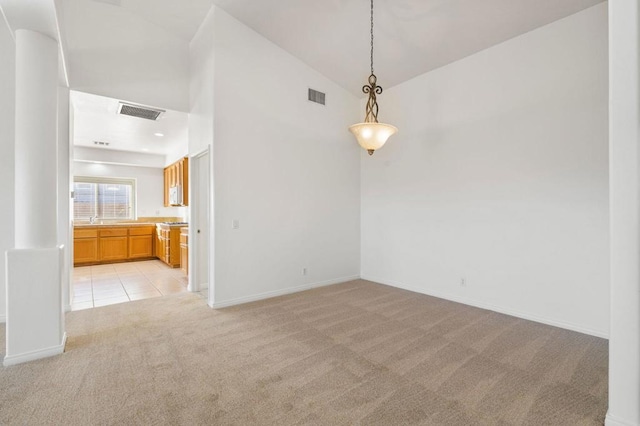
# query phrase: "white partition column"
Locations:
[[35, 319], [624, 172]]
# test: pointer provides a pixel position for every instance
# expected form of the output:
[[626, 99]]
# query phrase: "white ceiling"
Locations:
[[96, 119], [332, 36], [179, 17], [137, 49], [411, 36]]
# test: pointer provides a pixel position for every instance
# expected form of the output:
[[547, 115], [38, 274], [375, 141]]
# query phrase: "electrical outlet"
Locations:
[[235, 224], [463, 282], [304, 271]]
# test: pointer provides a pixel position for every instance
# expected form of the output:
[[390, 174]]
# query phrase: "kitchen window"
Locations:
[[104, 198]]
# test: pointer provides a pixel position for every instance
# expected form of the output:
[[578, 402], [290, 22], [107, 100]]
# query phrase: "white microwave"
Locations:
[[175, 195]]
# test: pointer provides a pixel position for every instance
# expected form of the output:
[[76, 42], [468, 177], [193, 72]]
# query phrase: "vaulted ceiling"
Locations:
[[332, 36], [411, 36], [137, 50]]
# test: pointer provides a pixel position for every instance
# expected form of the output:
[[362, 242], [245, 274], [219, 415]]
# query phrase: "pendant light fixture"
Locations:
[[372, 135]]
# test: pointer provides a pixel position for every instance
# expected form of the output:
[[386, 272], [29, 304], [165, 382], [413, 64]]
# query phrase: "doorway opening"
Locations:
[[200, 229], [131, 205]]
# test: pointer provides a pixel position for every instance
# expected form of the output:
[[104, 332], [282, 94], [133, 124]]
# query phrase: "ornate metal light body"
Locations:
[[372, 135]]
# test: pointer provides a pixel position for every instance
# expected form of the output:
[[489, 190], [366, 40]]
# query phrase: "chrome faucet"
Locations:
[[92, 219]]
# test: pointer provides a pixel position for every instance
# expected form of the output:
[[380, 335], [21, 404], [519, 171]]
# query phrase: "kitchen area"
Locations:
[[130, 208]]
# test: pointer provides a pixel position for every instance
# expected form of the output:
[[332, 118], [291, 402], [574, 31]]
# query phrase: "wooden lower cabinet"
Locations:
[[141, 242], [169, 245], [113, 243], [140, 246], [184, 250], [85, 250], [85, 247], [114, 248], [105, 244], [161, 250]]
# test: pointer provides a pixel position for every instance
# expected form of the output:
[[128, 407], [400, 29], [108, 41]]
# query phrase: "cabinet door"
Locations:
[[173, 255], [185, 181], [167, 253], [140, 246], [85, 250], [157, 247], [162, 250], [174, 174], [184, 258], [166, 187], [113, 248]]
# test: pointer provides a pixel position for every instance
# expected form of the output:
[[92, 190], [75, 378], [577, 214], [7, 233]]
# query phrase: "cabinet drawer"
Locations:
[[113, 232], [141, 231], [85, 233]]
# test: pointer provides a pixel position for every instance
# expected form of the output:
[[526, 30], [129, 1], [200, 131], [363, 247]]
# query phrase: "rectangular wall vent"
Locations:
[[139, 111], [100, 143], [317, 97]]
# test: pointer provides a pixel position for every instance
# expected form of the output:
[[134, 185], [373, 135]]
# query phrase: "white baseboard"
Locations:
[[3, 319], [483, 305], [67, 308], [32, 356], [276, 293], [614, 421]]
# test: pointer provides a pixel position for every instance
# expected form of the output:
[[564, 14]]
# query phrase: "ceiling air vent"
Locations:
[[100, 143], [317, 97], [139, 111]]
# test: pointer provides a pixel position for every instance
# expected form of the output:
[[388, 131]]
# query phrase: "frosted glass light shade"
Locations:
[[372, 136]]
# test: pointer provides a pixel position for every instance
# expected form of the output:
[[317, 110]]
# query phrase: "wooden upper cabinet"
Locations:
[[184, 167], [177, 174], [166, 187]]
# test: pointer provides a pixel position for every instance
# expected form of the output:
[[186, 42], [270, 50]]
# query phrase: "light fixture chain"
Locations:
[[372, 135], [371, 36]]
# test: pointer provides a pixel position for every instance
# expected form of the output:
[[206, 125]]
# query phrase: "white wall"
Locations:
[[624, 166], [202, 70], [65, 222], [176, 154], [7, 117], [122, 158], [285, 168], [149, 186], [498, 175], [201, 66]]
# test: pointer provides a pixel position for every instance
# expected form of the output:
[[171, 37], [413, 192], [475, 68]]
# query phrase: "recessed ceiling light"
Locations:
[[145, 149], [159, 134]]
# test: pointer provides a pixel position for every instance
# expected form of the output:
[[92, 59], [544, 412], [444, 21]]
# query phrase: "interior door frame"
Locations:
[[195, 220]]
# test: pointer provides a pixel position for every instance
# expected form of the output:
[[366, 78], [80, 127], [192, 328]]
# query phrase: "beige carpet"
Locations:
[[353, 353]]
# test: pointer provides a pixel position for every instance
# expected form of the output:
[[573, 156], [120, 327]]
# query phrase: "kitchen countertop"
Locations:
[[105, 225], [172, 225]]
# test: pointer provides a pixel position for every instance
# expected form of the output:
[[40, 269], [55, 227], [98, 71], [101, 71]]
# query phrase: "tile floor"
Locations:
[[103, 285]]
